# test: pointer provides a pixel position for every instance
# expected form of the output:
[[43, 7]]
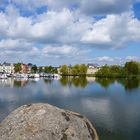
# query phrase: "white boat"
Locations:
[[36, 75], [3, 76], [21, 75], [57, 76]]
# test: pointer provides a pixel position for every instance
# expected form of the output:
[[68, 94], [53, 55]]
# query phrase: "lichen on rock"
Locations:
[[46, 122]]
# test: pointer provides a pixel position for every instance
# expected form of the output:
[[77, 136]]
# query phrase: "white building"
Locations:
[[92, 68], [7, 68]]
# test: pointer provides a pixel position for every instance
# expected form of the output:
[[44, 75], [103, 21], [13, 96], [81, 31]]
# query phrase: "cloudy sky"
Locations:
[[56, 32]]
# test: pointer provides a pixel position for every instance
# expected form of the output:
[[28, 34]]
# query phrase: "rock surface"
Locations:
[[46, 122]]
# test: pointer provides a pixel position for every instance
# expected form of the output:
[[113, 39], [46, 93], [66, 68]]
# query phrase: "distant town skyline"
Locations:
[[58, 32]]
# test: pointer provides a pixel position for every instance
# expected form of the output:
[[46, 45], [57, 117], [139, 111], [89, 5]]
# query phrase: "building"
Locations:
[[92, 68], [7, 68], [93, 65], [30, 67]]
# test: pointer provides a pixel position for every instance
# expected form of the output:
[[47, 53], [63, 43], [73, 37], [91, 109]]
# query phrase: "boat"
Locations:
[[3, 76], [21, 75], [57, 76], [36, 75]]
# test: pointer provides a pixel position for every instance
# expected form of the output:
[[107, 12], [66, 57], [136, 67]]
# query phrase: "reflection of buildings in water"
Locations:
[[90, 79], [7, 82], [12, 82], [24, 83], [20, 83]]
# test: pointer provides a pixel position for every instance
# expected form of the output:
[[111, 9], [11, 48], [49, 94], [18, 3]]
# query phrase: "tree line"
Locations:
[[76, 70], [35, 69], [130, 69]]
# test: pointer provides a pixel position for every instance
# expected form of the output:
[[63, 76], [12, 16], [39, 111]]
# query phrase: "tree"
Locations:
[[54, 70], [104, 71], [79, 69], [40, 69], [17, 67], [75, 70], [34, 69], [132, 68], [83, 69], [50, 69], [115, 69], [64, 70]]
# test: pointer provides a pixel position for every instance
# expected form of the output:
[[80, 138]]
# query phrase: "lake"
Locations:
[[112, 105]]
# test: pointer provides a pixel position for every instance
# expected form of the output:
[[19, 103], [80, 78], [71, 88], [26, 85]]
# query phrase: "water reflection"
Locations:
[[75, 81], [48, 80], [105, 102], [80, 82], [105, 82], [6, 82], [130, 84], [20, 83]]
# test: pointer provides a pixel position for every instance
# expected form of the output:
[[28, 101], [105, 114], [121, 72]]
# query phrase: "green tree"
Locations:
[[40, 69], [83, 69], [64, 70], [50, 69], [54, 70], [104, 71], [79, 69], [115, 68], [132, 68], [75, 70], [34, 69], [17, 67]]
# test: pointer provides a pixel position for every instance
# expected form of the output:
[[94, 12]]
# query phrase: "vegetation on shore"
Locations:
[[82, 82], [130, 69], [76, 70], [35, 69]]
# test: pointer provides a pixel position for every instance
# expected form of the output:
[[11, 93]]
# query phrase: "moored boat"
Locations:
[[3, 76]]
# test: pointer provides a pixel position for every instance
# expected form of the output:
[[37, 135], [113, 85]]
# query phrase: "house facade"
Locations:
[[92, 68], [7, 68]]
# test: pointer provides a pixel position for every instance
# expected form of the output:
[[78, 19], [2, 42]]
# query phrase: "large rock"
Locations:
[[46, 122]]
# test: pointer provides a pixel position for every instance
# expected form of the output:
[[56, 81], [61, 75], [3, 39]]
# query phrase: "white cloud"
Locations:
[[69, 27], [65, 33], [114, 60], [93, 7], [64, 50], [114, 31], [103, 7], [104, 59], [99, 33], [10, 44], [132, 58]]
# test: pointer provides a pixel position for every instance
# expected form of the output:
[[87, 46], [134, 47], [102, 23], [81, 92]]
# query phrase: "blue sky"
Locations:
[[56, 32]]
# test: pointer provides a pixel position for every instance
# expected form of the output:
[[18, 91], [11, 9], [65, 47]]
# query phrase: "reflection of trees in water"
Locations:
[[79, 81], [64, 80], [48, 81], [105, 82], [19, 83], [130, 83], [76, 81]]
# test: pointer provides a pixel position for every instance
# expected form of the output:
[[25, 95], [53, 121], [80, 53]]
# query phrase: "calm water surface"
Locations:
[[111, 105]]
